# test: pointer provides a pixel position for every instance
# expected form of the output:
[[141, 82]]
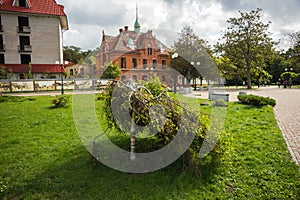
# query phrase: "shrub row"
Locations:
[[256, 100]]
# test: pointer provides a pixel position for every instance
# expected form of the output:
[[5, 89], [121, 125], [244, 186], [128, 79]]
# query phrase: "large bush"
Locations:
[[256, 100], [147, 105]]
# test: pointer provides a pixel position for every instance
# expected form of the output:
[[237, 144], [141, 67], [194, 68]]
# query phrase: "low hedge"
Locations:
[[256, 100]]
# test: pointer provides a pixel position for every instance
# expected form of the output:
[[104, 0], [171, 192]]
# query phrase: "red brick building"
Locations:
[[138, 55]]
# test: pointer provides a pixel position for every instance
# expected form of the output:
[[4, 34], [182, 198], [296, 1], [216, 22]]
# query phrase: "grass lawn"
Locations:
[[42, 157]]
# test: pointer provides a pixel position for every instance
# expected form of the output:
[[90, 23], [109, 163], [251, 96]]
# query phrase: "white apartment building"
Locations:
[[31, 37]]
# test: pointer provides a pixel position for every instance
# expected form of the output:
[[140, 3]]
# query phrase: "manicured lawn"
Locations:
[[42, 157]]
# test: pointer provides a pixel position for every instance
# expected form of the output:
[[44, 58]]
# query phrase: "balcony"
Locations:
[[2, 48], [25, 48], [23, 29]]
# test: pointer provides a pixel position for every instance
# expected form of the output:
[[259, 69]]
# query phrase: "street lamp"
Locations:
[[174, 57], [198, 64], [61, 74]]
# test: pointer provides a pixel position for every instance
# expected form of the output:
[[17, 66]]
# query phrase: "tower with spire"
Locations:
[[137, 26]]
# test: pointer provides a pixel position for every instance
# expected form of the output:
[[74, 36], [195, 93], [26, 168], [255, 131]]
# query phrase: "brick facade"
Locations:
[[138, 55]]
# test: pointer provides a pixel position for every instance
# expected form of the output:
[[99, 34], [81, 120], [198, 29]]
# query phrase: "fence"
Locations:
[[37, 85]]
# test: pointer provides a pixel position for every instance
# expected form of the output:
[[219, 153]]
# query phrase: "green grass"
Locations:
[[42, 157]]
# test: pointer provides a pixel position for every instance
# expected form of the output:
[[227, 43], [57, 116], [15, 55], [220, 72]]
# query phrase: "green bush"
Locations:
[[60, 101], [256, 100], [101, 96]]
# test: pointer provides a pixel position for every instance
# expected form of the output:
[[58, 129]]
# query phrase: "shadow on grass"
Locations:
[[85, 178]]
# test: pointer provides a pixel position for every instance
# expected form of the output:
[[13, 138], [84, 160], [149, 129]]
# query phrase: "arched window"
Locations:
[[149, 48], [104, 54]]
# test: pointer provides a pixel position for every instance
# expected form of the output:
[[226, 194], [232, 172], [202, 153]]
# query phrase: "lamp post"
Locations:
[[174, 57], [198, 64], [61, 74]]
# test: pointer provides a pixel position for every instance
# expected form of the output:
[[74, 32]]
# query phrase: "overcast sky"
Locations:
[[208, 18]]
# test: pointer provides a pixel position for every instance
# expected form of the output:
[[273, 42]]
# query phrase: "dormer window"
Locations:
[[22, 3]]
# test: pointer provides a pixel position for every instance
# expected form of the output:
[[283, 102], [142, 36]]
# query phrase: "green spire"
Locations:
[[137, 25]]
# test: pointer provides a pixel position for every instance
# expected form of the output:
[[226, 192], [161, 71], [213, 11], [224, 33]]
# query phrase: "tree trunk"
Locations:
[[249, 85]]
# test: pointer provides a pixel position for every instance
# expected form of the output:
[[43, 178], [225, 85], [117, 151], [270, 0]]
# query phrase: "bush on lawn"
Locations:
[[256, 100], [154, 98], [60, 101]]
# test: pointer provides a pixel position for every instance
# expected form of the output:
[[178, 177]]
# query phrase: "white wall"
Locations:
[[45, 38]]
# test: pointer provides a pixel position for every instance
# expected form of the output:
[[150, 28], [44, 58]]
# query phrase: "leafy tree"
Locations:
[[111, 71], [247, 43], [73, 54], [191, 48], [293, 53]]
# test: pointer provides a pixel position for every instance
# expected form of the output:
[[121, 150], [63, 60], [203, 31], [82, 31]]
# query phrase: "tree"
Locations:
[[111, 71], [192, 49], [293, 53], [247, 43], [73, 54]]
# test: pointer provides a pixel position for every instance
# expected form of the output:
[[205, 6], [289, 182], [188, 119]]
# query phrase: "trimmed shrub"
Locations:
[[60, 101], [256, 100]]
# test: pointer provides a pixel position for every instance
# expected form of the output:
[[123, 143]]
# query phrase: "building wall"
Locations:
[[44, 38]]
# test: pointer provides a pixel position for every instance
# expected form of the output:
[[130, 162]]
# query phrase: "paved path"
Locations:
[[287, 112]]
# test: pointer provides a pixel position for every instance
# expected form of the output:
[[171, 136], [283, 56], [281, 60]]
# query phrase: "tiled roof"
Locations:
[[128, 41], [48, 7], [36, 68]]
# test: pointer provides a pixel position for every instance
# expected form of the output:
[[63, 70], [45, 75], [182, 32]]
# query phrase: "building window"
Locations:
[[23, 23], [104, 55], [71, 72], [145, 77], [22, 3], [24, 43], [149, 49], [123, 78], [145, 62], [25, 58], [163, 62], [163, 79], [1, 43], [2, 61], [1, 29], [134, 63], [134, 77], [154, 64], [123, 63]]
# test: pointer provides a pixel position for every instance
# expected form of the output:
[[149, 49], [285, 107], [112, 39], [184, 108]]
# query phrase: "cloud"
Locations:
[[87, 19]]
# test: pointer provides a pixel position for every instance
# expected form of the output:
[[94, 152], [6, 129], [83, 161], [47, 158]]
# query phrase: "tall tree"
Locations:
[[73, 54], [293, 53], [247, 43], [192, 49]]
